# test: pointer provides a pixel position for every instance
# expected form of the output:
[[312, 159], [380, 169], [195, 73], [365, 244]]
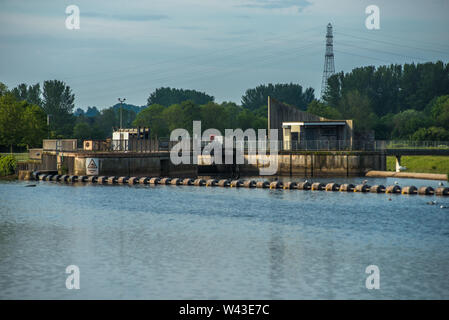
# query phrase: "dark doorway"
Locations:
[[165, 168]]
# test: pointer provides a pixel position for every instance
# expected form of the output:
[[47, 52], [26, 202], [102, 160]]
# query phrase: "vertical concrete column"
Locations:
[[398, 163]]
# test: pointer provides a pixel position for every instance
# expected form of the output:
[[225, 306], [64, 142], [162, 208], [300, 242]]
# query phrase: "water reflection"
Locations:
[[177, 242]]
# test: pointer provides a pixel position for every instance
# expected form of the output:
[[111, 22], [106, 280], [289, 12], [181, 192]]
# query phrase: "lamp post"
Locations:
[[121, 100], [48, 125]]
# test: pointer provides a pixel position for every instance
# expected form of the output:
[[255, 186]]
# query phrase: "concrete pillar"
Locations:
[[398, 163]]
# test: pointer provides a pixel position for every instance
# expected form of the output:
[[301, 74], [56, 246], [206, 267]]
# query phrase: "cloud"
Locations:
[[125, 17], [296, 5]]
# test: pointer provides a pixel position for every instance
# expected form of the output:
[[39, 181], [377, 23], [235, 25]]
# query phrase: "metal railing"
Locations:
[[417, 145], [133, 145], [329, 145], [164, 144], [60, 145]]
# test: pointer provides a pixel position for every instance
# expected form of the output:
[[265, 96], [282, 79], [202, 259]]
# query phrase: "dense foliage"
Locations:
[[292, 94], [227, 115], [8, 165], [168, 96], [21, 123], [398, 102]]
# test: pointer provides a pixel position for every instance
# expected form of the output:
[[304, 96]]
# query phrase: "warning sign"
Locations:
[[92, 166]]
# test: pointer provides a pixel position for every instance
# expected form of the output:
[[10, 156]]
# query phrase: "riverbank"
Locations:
[[410, 175], [421, 164], [10, 177]]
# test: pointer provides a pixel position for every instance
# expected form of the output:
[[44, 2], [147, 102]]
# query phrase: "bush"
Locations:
[[431, 134], [8, 165]]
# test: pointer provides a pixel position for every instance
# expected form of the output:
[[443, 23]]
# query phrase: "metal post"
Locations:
[[48, 125], [121, 106]]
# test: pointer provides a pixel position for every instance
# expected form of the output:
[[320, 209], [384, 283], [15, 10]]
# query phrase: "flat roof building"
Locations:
[[300, 130]]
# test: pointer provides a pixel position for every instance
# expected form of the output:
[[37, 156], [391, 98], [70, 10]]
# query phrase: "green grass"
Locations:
[[19, 156], [421, 164]]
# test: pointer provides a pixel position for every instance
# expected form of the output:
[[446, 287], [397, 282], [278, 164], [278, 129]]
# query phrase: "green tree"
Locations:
[[35, 126], [58, 102], [152, 117], [407, 122], [357, 107], [394, 88], [11, 120], [32, 94], [292, 94], [20, 123], [440, 111], [321, 109], [82, 131], [174, 116], [431, 134], [190, 112], [3, 89], [245, 119], [169, 96], [214, 116], [8, 165]]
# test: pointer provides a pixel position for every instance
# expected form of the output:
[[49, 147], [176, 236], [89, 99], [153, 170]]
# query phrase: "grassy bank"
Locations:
[[421, 164]]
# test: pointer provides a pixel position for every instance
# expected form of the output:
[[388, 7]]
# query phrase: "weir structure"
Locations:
[[307, 146], [304, 163]]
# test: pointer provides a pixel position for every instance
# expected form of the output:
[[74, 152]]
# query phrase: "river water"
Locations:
[[179, 242]]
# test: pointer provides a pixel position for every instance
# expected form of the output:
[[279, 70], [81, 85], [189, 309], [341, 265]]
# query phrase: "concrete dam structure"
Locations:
[[303, 164]]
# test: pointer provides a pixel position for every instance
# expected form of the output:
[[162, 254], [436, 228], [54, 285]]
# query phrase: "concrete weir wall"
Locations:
[[321, 164], [114, 164], [305, 164], [137, 164]]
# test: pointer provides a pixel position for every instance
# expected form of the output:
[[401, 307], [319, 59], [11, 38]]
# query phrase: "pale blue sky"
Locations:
[[223, 47]]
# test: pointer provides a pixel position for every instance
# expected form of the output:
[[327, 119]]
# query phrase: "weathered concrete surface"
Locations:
[[305, 164], [319, 164], [413, 175], [25, 175], [133, 164]]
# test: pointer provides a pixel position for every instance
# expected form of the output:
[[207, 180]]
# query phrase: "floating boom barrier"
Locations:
[[228, 183]]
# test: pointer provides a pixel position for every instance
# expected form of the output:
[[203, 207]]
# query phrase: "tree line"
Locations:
[[166, 109], [409, 101]]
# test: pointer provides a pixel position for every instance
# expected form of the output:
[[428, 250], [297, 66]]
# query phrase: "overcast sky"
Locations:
[[223, 47]]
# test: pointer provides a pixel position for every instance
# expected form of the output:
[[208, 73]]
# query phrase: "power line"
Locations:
[[440, 44], [208, 75], [390, 43], [361, 56], [206, 54], [385, 52], [168, 72]]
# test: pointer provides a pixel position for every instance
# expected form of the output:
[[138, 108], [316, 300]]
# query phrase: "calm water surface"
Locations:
[[176, 242]]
